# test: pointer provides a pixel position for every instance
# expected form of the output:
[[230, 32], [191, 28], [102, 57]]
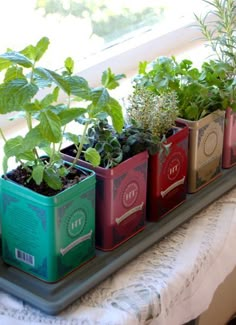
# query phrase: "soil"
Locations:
[[21, 176]]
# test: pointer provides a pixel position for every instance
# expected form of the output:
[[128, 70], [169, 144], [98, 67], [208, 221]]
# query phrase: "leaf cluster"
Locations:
[[115, 147], [24, 82], [199, 91], [152, 112], [218, 28]]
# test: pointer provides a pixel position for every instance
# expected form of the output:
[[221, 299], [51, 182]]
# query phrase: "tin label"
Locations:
[[130, 194], [173, 168], [76, 223]]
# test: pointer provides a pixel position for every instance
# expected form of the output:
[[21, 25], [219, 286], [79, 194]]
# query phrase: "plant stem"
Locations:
[[3, 136], [79, 151]]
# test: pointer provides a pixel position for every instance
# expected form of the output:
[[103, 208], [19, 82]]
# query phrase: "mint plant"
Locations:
[[46, 118]]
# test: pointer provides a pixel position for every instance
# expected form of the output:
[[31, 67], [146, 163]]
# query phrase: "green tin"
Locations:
[[48, 237]]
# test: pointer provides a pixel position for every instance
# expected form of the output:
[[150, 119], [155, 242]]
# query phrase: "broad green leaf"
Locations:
[[47, 150], [15, 94], [92, 156], [41, 78], [50, 98], [13, 147], [4, 64], [14, 72], [33, 107], [100, 97], [58, 80], [70, 114], [36, 52], [33, 139], [28, 156], [50, 126], [37, 174], [29, 52], [72, 137], [41, 47], [69, 65], [114, 110], [78, 86], [110, 80], [142, 67], [52, 179], [16, 58]]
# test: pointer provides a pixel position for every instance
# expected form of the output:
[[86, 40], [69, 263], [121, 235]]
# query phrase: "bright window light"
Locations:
[[99, 34], [81, 28]]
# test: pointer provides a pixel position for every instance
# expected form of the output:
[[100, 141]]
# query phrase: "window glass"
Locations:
[[80, 28]]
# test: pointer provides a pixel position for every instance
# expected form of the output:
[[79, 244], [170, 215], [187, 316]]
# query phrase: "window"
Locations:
[[82, 28], [99, 33]]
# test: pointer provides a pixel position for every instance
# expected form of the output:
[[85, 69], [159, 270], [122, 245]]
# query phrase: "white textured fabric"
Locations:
[[169, 284]]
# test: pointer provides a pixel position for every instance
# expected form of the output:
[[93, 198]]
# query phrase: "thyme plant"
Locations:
[[152, 112]]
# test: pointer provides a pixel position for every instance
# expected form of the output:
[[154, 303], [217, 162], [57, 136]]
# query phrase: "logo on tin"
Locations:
[[173, 168], [130, 194], [210, 143], [76, 223]]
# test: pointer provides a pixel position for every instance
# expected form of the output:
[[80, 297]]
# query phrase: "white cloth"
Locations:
[[169, 284]]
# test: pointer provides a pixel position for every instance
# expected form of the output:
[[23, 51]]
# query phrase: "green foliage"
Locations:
[[152, 112], [115, 147], [45, 118], [219, 32], [103, 138], [218, 27], [198, 91]]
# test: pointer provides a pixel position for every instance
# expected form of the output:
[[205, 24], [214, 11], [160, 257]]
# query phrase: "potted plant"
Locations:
[[121, 181], [48, 205], [219, 35], [167, 165], [199, 105]]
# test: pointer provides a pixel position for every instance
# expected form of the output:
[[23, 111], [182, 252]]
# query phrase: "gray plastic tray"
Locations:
[[53, 298]]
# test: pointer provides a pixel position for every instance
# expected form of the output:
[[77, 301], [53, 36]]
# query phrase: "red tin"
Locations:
[[229, 146], [120, 200], [167, 175]]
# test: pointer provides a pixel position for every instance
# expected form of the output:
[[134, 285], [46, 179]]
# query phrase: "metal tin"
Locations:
[[48, 237], [120, 200], [167, 175], [229, 146], [205, 149]]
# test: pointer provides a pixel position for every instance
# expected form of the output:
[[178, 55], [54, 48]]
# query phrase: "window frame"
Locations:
[[125, 57]]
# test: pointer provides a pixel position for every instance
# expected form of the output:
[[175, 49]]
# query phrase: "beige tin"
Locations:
[[205, 149]]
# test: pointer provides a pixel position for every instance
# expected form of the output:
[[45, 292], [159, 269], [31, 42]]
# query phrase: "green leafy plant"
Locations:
[[219, 31], [45, 117], [154, 115], [198, 90], [115, 147], [219, 35]]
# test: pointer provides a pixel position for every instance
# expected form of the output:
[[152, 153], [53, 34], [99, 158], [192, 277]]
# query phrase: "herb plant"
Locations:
[[219, 35], [46, 119], [198, 90], [115, 147], [152, 112]]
